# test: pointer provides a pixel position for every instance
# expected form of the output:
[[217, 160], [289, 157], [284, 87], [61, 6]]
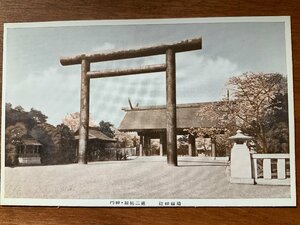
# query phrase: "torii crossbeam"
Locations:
[[170, 67]]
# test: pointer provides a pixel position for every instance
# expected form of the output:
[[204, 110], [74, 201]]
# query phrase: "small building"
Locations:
[[150, 123], [98, 145], [29, 152]]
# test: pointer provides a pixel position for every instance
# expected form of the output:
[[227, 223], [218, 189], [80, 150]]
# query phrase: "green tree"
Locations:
[[13, 139], [37, 116], [67, 148], [107, 128], [277, 124], [50, 138], [19, 115], [14, 134]]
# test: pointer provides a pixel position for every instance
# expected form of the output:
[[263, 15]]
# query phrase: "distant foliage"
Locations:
[[155, 147], [277, 124], [49, 137], [18, 123], [14, 134], [67, 145], [37, 116], [257, 105], [13, 139], [19, 115], [107, 128], [57, 142], [125, 139], [183, 139], [183, 145], [219, 136], [72, 121]]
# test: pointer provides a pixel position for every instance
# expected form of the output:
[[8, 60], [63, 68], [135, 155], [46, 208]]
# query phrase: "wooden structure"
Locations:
[[29, 152], [150, 123], [97, 142], [170, 67]]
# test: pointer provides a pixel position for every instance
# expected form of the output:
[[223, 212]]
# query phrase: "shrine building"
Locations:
[[149, 122]]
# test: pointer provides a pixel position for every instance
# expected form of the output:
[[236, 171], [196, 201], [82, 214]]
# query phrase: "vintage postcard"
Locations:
[[148, 113]]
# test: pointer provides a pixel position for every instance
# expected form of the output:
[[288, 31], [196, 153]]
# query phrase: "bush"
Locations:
[[11, 156]]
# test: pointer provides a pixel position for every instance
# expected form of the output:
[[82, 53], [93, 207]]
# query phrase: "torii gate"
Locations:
[[170, 67]]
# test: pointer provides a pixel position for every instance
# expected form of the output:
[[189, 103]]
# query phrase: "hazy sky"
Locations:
[[35, 78]]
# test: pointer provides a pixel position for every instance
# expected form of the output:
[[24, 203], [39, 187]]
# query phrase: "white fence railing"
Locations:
[[31, 160], [271, 169]]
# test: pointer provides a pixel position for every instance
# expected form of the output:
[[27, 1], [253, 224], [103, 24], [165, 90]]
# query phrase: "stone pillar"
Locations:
[[161, 144], [213, 149], [147, 143], [141, 145], [84, 112], [161, 148], [171, 108]]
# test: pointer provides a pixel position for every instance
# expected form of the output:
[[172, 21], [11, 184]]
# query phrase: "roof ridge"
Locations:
[[183, 105]]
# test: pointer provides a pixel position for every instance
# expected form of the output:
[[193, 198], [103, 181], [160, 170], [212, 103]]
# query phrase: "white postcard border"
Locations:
[[157, 202]]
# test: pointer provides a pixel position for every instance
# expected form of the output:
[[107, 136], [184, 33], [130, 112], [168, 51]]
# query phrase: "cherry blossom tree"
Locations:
[[250, 101], [253, 94], [72, 121]]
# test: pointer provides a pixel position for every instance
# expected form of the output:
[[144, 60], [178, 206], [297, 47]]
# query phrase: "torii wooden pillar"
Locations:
[[170, 67]]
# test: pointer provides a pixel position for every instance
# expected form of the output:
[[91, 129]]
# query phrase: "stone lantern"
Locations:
[[240, 166]]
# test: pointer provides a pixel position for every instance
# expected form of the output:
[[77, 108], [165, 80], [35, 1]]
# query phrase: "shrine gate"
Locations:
[[169, 66]]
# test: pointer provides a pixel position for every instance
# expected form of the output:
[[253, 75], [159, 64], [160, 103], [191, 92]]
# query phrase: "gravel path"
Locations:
[[142, 177]]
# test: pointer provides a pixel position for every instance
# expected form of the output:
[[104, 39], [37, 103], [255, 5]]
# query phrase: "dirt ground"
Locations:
[[140, 177]]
